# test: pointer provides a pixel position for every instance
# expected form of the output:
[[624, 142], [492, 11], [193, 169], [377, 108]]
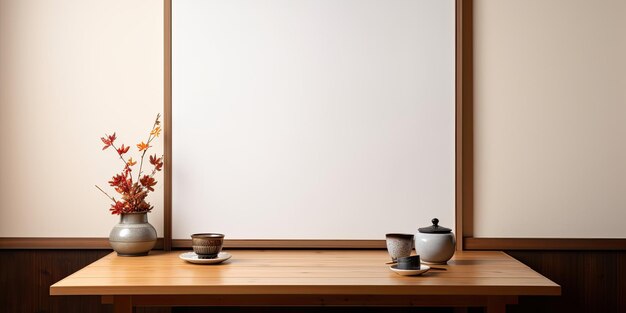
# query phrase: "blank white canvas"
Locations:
[[312, 119]]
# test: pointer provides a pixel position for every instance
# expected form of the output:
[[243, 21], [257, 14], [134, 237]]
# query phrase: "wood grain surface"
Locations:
[[303, 272]]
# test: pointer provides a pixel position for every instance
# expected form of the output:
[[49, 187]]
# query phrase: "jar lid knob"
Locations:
[[434, 228]]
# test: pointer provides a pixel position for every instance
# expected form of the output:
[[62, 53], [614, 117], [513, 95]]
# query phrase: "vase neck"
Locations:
[[133, 218]]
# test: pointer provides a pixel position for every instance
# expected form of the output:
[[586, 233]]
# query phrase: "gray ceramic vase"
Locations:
[[133, 236]]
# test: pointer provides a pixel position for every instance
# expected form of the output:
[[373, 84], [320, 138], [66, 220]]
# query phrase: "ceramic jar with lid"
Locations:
[[435, 244]]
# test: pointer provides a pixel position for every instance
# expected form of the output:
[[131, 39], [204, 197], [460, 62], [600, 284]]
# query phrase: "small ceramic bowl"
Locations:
[[207, 245], [409, 263]]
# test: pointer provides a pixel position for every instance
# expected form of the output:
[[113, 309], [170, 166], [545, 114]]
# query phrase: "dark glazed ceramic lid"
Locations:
[[434, 228]]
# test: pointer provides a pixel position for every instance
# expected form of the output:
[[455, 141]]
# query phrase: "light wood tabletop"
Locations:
[[307, 276]]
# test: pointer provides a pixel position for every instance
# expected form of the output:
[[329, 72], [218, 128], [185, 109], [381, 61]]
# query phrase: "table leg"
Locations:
[[122, 304], [498, 304], [494, 308]]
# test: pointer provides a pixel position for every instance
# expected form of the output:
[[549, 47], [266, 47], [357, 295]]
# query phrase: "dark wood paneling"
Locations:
[[591, 281], [26, 276], [311, 310], [543, 244]]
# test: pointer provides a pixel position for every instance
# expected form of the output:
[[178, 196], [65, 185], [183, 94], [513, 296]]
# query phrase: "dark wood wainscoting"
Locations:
[[312, 310], [592, 281], [26, 276]]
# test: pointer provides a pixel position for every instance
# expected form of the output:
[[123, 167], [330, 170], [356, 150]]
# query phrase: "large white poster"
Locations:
[[312, 119]]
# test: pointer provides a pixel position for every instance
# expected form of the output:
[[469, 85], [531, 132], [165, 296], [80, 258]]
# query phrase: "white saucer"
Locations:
[[193, 258], [423, 269]]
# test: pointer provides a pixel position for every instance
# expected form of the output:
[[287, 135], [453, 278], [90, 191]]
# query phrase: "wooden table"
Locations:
[[305, 278]]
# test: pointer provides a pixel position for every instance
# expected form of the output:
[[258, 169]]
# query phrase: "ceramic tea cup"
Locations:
[[409, 263], [399, 245], [207, 245]]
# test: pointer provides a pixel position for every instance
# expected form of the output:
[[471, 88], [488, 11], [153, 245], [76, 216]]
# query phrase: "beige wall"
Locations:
[[550, 116], [550, 113], [71, 70]]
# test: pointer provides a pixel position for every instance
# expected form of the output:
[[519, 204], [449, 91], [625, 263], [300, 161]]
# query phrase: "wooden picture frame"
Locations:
[[463, 76]]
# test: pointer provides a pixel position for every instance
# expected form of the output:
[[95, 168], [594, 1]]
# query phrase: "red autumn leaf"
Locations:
[[117, 208], [112, 138], [107, 143], [157, 162], [153, 159], [121, 150], [117, 180], [108, 140], [121, 182], [148, 182]]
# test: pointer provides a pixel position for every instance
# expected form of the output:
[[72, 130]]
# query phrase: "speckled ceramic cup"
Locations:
[[207, 245], [399, 245]]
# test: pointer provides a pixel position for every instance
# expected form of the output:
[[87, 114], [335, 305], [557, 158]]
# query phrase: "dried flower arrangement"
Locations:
[[133, 193]]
